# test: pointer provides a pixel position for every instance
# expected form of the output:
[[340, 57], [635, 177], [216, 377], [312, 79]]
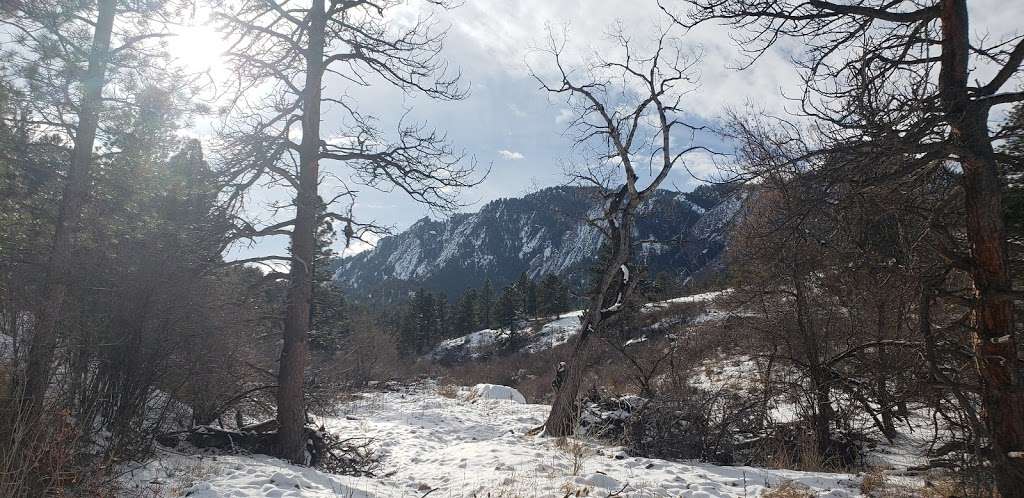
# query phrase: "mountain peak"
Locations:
[[540, 233]]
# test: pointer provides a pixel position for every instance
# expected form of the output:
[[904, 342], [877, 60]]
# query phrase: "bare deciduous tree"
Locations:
[[630, 108], [898, 73]]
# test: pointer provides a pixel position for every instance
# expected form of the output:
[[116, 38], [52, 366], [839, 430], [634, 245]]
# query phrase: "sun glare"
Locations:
[[197, 48]]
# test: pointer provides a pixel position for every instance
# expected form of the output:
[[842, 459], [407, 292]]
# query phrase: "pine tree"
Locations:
[[328, 314], [562, 299], [465, 318], [426, 320], [549, 294], [507, 310], [1013, 173], [531, 297], [442, 320], [486, 305], [407, 331], [520, 288], [664, 286]]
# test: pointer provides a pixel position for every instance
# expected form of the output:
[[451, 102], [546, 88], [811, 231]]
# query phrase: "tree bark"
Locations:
[[885, 405], [562, 419], [995, 344], [291, 406], [76, 188]]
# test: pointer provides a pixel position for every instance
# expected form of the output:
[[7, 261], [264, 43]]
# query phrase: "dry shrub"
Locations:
[[789, 489], [575, 453], [446, 390], [571, 489], [876, 484], [368, 353], [43, 456]]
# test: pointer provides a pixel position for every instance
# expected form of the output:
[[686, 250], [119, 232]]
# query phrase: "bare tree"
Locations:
[[290, 50], [630, 109], [898, 72]]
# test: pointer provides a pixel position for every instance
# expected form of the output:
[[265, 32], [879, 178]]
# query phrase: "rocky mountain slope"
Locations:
[[544, 232]]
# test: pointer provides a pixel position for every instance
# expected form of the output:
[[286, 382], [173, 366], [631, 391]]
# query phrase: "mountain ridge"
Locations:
[[540, 233]]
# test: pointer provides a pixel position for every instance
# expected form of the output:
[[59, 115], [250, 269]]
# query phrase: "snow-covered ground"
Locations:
[[460, 445]]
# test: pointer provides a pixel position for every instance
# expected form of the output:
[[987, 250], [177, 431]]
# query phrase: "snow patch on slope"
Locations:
[[554, 333]]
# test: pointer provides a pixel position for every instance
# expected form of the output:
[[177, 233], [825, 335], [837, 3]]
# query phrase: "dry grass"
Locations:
[[876, 484], [575, 454], [570, 489], [450, 391], [187, 476], [789, 489]]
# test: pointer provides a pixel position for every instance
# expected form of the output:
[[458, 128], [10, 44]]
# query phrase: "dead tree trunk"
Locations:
[[76, 188], [291, 405]]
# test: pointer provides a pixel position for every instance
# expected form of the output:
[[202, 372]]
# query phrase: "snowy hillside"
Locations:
[[542, 233], [445, 443], [556, 331]]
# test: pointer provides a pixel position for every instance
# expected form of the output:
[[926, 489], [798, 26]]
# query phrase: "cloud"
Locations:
[[357, 246], [510, 155], [516, 111]]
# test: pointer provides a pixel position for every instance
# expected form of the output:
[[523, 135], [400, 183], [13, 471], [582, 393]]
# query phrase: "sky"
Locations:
[[518, 131]]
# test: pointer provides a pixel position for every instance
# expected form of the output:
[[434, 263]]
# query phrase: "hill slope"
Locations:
[[544, 232]]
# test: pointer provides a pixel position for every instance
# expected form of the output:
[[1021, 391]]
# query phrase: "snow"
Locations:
[[559, 330], [459, 447], [496, 392], [693, 298]]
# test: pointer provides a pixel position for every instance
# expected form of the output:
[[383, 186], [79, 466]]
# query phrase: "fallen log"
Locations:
[[351, 456]]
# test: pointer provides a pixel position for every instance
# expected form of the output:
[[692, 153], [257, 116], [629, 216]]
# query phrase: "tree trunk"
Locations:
[[885, 405], [824, 414], [562, 419], [76, 187], [995, 344], [291, 406], [816, 370], [564, 414]]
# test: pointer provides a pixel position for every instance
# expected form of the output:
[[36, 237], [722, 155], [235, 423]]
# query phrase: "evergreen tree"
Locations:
[[531, 299], [442, 320], [507, 310], [664, 286], [549, 294], [465, 315], [425, 319], [520, 288], [1013, 173], [328, 313], [562, 299], [407, 330], [486, 305]]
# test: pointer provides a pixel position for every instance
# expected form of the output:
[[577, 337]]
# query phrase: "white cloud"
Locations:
[[516, 111], [357, 246], [510, 155], [564, 116]]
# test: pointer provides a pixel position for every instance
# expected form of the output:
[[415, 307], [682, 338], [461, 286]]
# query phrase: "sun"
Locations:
[[197, 48]]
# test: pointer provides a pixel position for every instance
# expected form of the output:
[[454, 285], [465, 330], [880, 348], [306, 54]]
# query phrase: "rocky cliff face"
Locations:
[[544, 232]]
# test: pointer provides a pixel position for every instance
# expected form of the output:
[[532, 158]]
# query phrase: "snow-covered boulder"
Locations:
[[494, 391]]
